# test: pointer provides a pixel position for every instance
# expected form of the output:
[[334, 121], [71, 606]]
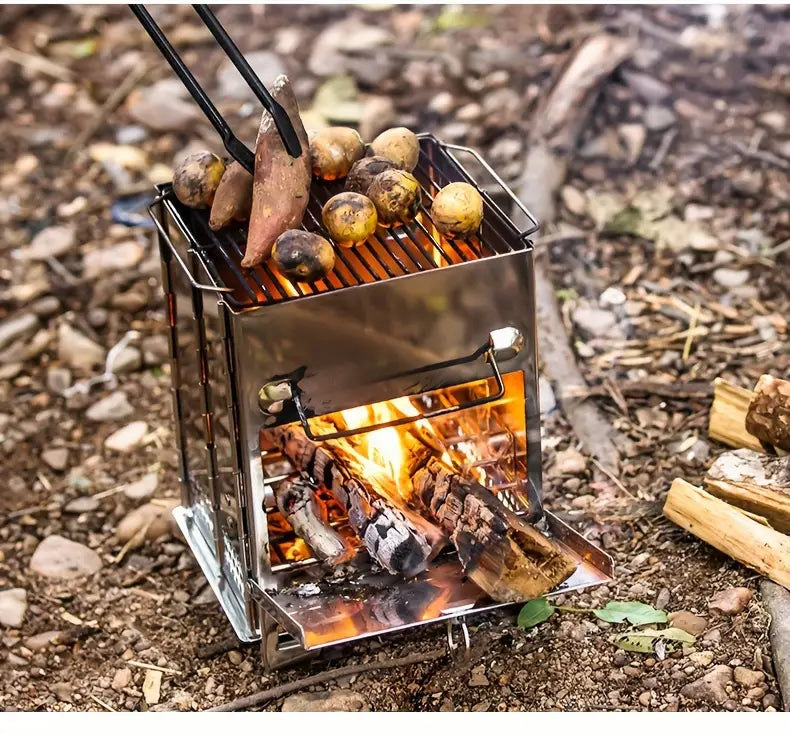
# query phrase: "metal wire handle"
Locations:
[[233, 145], [490, 357]]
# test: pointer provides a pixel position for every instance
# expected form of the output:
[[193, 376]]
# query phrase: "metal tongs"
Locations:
[[233, 145]]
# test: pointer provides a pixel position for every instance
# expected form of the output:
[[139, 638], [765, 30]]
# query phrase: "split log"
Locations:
[[729, 530], [768, 415], [727, 422], [307, 516], [401, 544], [504, 555], [754, 482]]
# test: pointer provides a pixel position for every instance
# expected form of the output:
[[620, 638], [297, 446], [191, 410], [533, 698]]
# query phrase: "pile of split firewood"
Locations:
[[743, 509]]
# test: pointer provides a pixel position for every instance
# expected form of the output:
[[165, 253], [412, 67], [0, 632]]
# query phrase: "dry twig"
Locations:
[[279, 691]]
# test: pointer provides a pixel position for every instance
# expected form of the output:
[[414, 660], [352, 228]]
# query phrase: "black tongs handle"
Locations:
[[233, 145], [276, 110]]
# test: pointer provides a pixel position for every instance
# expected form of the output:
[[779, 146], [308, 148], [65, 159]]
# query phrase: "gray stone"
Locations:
[[548, 400], [46, 306], [332, 52], [129, 360], [478, 677], [56, 458], [130, 134], [127, 438], [62, 559], [711, 688], [156, 350], [569, 461], [777, 602], [650, 89], [265, 64], [58, 379], [658, 118], [729, 278], [13, 605], [51, 242], [123, 256], [142, 489], [18, 326], [775, 120], [574, 200], [41, 640], [594, 321], [79, 352], [163, 107], [82, 504], [112, 408], [334, 700], [731, 601], [97, 317], [378, 114]]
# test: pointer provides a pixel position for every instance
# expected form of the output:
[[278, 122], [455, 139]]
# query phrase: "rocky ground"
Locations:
[[670, 262]]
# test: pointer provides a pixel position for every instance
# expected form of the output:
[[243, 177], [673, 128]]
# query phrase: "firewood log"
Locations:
[[754, 482], [729, 530], [501, 553], [401, 544], [299, 505], [727, 422], [768, 415]]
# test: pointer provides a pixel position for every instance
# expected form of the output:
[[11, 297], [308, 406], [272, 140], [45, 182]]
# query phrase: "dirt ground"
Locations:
[[670, 261]]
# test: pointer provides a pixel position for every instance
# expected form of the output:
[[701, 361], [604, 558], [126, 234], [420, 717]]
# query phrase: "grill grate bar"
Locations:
[[389, 253]]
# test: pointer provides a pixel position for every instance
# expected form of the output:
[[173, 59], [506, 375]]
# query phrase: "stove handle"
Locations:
[[490, 357]]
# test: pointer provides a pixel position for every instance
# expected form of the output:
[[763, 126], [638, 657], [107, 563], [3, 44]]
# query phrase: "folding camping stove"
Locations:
[[448, 323]]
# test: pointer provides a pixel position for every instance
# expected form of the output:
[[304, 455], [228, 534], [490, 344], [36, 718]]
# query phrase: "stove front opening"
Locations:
[[486, 443]]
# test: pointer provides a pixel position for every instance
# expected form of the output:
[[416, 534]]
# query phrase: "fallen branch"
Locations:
[[777, 601], [554, 137], [279, 691]]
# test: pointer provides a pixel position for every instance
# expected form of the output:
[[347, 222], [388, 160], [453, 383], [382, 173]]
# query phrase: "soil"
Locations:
[[701, 109]]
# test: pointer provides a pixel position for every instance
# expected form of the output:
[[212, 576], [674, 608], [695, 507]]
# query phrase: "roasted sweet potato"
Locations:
[[281, 185], [233, 199]]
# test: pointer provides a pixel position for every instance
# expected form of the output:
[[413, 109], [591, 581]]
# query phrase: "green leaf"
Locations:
[[644, 640], [634, 612], [534, 612]]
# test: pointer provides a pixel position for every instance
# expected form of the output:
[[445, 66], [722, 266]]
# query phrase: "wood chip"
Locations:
[[151, 686]]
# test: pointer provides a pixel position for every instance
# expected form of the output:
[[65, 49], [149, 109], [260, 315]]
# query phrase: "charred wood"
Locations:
[[399, 543], [307, 516]]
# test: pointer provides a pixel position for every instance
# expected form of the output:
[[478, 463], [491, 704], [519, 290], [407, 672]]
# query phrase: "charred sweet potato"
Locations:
[[362, 173]]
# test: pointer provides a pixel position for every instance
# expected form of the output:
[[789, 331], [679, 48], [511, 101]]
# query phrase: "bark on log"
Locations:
[[308, 518], [727, 421], [399, 543], [729, 530], [754, 482], [504, 555], [768, 415], [554, 135], [281, 185]]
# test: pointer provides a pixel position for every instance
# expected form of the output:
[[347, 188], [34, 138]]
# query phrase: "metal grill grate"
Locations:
[[389, 253]]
